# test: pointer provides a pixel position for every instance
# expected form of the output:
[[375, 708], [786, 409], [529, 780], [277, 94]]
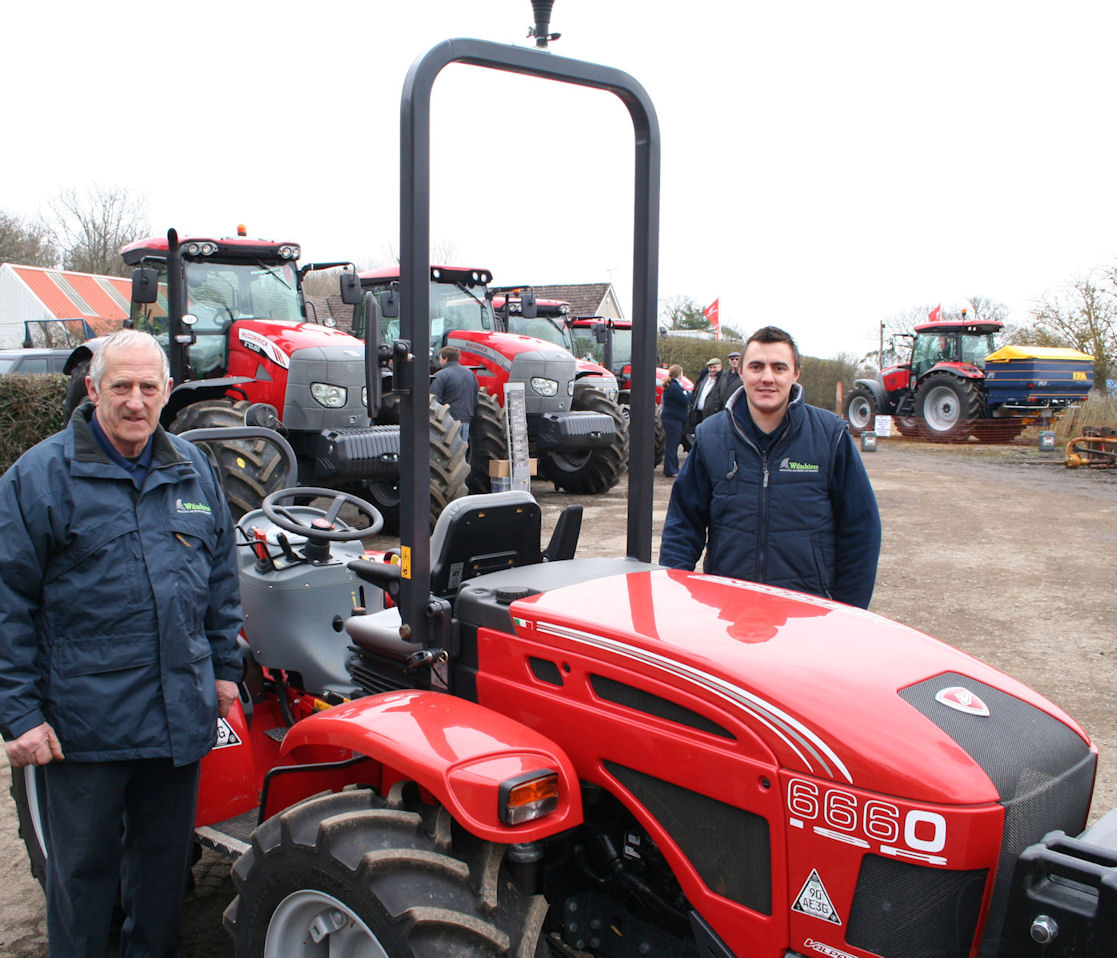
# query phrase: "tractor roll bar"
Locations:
[[417, 611]]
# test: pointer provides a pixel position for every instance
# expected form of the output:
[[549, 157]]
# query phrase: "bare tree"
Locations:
[[25, 243], [1084, 315], [682, 312], [91, 228]]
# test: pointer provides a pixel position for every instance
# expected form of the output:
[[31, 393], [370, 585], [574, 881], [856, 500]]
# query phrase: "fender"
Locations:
[[877, 389], [962, 370], [459, 751], [194, 390], [82, 354]]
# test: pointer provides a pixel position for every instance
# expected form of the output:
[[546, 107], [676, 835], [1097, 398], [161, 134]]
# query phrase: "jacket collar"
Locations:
[[82, 446], [795, 405]]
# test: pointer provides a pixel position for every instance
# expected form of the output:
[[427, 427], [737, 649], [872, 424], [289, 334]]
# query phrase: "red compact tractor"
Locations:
[[231, 315], [956, 383], [574, 424], [536, 755]]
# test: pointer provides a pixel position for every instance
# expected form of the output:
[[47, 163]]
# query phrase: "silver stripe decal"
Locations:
[[786, 727]]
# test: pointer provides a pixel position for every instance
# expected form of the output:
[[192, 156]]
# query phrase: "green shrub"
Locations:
[[30, 410]]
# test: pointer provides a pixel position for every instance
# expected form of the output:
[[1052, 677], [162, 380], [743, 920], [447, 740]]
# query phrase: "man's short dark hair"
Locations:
[[450, 353], [773, 334]]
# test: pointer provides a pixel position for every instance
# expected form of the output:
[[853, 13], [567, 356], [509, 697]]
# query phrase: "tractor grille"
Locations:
[[371, 452], [728, 846], [1042, 770], [910, 911]]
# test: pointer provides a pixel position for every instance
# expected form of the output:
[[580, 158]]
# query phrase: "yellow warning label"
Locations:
[[813, 900], [241, 464], [405, 562]]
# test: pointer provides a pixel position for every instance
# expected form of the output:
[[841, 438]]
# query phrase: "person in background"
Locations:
[[733, 380], [708, 396], [119, 613], [456, 386], [775, 491], [673, 413]]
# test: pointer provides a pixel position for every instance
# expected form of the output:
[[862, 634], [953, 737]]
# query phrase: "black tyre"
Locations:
[[947, 406], [861, 409], [249, 469], [488, 440], [660, 438], [27, 793], [76, 393], [908, 426], [352, 874], [449, 471], [591, 471], [997, 430]]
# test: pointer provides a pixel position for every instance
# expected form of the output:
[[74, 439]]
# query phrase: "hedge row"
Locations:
[[30, 410]]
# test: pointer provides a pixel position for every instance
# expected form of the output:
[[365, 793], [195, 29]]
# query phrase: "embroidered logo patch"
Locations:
[[790, 465], [189, 507]]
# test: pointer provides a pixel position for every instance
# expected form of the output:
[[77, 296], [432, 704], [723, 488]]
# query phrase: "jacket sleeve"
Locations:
[[857, 530], [22, 560], [688, 512], [223, 616]]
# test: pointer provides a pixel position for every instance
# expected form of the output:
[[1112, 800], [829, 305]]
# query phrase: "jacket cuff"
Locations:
[[24, 723]]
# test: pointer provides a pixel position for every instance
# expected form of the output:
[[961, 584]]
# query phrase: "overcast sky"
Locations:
[[825, 165]]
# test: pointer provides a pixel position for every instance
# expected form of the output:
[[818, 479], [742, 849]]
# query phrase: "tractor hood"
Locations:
[[279, 340], [831, 691]]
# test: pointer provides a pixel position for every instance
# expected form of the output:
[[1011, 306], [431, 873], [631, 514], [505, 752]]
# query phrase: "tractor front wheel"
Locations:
[[861, 409], [488, 440], [590, 471], [947, 407], [249, 469], [353, 874]]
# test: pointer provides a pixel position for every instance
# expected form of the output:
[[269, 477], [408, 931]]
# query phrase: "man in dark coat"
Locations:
[[673, 413], [456, 386], [119, 613], [708, 395], [774, 490]]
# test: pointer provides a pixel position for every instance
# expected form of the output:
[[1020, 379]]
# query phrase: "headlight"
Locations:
[[543, 386], [364, 396], [570, 388], [332, 397]]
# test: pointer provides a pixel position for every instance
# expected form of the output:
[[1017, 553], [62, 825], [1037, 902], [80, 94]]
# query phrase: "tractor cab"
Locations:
[[952, 342]]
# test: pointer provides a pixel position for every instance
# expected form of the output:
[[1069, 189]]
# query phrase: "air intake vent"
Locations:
[[634, 698]]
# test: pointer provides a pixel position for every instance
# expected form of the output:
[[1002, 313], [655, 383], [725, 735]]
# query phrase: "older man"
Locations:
[[119, 612], [774, 490]]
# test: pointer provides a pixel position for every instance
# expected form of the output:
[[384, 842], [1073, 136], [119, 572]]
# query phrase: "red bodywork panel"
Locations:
[[459, 751], [490, 355]]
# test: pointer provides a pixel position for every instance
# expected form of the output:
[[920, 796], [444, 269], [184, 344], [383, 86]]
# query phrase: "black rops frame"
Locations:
[[426, 620]]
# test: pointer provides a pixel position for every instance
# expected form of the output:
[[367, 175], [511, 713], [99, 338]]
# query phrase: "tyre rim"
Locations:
[[941, 409], [312, 924], [859, 413]]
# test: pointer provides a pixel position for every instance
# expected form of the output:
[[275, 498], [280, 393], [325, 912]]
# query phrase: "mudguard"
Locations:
[[457, 750], [878, 391]]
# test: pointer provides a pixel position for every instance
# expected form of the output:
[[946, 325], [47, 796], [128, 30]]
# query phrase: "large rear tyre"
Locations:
[[354, 875], [590, 471], [449, 471], [249, 469], [861, 409], [488, 440], [31, 812], [947, 406]]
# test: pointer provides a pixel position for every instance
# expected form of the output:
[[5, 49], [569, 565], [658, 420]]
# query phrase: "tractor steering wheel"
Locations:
[[320, 528]]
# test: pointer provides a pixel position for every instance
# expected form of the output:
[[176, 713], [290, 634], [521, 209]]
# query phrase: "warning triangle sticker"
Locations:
[[814, 901]]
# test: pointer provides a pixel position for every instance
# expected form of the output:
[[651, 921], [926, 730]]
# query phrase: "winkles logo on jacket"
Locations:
[[790, 465], [188, 507]]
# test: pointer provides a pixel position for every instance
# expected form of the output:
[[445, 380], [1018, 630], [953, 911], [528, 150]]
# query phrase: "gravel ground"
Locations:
[[998, 550]]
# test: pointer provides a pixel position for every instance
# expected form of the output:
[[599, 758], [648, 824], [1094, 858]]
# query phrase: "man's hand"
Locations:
[[37, 746], [226, 696]]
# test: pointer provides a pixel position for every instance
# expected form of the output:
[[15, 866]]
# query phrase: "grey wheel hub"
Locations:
[[941, 409], [312, 924]]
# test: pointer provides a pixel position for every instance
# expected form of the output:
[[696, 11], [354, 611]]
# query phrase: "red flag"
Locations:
[[711, 313], [936, 313]]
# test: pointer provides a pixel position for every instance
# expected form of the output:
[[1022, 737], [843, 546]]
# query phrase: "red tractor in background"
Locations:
[[956, 383], [575, 428], [232, 318]]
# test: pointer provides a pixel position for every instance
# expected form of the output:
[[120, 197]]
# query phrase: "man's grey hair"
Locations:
[[127, 339]]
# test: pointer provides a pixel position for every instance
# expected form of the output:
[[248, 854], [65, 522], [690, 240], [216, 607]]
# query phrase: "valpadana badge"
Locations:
[[963, 700]]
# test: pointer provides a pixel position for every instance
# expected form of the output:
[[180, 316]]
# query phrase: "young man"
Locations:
[[774, 490], [119, 613]]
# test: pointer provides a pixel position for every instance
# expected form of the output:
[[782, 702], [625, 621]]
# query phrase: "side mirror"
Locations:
[[527, 304], [145, 285], [601, 333], [389, 302], [350, 289]]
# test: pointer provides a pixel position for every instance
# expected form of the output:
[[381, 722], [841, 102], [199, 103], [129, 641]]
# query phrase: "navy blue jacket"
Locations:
[[675, 401], [119, 606], [455, 385], [801, 515]]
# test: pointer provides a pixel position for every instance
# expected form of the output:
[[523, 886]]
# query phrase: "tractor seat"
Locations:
[[473, 536]]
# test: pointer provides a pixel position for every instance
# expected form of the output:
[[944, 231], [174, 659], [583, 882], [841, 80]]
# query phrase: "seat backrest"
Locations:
[[486, 533]]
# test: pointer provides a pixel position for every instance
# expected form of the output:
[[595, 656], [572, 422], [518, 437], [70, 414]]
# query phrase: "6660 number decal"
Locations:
[[835, 813]]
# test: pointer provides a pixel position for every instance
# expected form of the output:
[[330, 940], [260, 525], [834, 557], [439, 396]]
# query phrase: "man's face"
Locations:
[[713, 370], [130, 397], [769, 373], [735, 364]]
